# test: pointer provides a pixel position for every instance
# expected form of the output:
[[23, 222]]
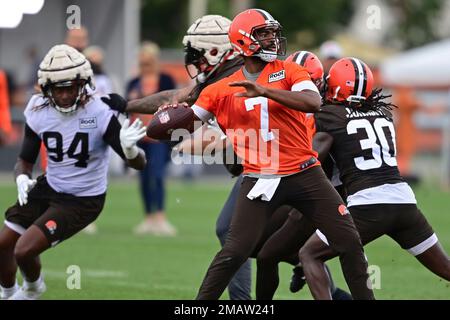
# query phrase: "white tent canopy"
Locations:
[[425, 66], [112, 24]]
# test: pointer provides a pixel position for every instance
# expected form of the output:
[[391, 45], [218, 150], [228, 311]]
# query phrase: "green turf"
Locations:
[[115, 264]]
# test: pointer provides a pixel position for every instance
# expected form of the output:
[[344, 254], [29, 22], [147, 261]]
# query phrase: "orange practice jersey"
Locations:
[[311, 125], [282, 135]]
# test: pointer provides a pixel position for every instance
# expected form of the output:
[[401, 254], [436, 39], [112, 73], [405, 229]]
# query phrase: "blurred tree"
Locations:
[[221, 7], [307, 25], [416, 21], [164, 21]]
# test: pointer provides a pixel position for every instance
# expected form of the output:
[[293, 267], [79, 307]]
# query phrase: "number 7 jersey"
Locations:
[[78, 157], [271, 139], [363, 146]]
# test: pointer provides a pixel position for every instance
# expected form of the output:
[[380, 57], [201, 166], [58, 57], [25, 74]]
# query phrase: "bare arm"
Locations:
[[150, 104], [322, 143], [305, 101]]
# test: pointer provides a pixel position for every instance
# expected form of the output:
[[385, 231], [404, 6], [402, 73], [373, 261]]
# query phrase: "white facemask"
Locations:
[[267, 57]]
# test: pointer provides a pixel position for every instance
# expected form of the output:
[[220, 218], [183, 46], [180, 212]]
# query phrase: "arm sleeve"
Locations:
[[317, 122], [202, 113], [30, 146], [330, 118], [112, 136], [107, 120], [205, 106]]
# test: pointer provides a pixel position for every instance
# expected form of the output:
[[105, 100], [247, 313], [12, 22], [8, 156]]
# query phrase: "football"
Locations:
[[172, 117]]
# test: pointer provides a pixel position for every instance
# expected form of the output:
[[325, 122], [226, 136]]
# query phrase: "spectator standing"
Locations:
[[152, 178]]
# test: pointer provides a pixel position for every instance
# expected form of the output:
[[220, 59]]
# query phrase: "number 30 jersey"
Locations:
[[77, 154], [363, 146]]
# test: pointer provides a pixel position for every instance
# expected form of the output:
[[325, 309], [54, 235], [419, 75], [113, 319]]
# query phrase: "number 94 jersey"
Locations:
[[77, 155], [363, 146]]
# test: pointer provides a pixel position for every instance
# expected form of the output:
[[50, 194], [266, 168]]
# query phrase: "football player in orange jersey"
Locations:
[[261, 108], [287, 230], [284, 240], [208, 58]]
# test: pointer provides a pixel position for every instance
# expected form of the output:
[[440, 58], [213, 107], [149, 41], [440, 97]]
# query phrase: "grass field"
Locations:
[[115, 264]]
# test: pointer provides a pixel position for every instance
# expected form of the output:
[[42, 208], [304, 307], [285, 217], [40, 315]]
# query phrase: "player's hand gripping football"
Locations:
[[129, 136], [252, 89], [24, 185], [173, 105]]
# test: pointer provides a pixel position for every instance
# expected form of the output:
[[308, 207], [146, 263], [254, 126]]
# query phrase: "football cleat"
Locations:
[[6, 293], [298, 280], [26, 293]]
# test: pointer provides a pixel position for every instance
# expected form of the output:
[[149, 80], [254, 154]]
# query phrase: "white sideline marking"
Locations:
[[91, 273], [125, 284]]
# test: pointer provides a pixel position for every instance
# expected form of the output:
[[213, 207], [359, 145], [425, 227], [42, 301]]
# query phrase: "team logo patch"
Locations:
[[343, 210], [277, 76], [164, 117], [51, 226], [88, 123]]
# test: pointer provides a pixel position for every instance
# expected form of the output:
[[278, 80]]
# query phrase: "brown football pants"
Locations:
[[309, 192]]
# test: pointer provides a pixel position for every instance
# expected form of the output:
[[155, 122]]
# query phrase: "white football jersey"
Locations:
[[77, 155]]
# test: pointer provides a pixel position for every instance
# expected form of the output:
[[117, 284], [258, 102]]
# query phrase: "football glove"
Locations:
[[129, 136], [115, 101], [24, 185]]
